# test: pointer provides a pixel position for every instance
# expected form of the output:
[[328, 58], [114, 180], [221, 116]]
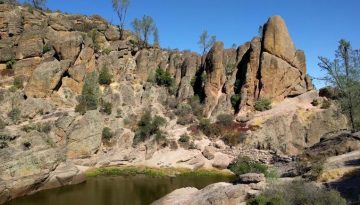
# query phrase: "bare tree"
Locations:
[[120, 7], [156, 37], [205, 42], [344, 74], [39, 4], [143, 28]]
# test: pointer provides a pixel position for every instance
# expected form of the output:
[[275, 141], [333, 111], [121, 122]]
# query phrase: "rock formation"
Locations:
[[44, 58]]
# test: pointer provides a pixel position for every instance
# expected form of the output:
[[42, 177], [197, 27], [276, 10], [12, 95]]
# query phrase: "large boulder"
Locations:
[[66, 44], [45, 78], [30, 45], [84, 136], [215, 194]]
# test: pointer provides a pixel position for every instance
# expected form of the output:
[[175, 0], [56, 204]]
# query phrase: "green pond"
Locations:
[[119, 190]]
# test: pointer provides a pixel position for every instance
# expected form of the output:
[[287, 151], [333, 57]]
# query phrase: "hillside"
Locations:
[[72, 95]]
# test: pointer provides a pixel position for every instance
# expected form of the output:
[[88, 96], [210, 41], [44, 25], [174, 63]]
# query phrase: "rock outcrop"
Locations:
[[44, 58]]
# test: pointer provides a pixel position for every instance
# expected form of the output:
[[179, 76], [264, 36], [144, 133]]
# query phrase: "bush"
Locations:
[[326, 104], [10, 63], [94, 35], [210, 130], [2, 124], [164, 78], [245, 165], [148, 126], [18, 82], [105, 76], [297, 193], [45, 128], [263, 104], [107, 134], [89, 94], [106, 107], [46, 48], [225, 119], [234, 138], [315, 102], [235, 100], [184, 138], [196, 106], [184, 113], [14, 114]]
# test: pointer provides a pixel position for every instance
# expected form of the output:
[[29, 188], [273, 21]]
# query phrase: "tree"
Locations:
[[38, 3], [156, 37], [344, 74], [120, 7], [205, 42], [143, 28]]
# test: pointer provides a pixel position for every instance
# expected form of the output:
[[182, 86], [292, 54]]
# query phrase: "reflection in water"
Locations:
[[135, 190]]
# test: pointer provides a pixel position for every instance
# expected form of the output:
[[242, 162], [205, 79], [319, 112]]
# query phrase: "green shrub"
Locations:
[[184, 138], [94, 35], [210, 130], [164, 78], [297, 193], [12, 89], [196, 106], [107, 134], [148, 126], [105, 76], [18, 82], [326, 104], [234, 138], [315, 102], [89, 95], [183, 109], [3, 145], [10, 63], [47, 47], [106, 107], [262, 104], [45, 128], [235, 100], [107, 51], [225, 119], [245, 165], [14, 114]]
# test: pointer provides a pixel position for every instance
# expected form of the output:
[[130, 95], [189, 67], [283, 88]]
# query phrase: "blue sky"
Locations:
[[315, 25]]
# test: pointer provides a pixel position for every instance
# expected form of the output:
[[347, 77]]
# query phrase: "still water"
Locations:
[[130, 190]]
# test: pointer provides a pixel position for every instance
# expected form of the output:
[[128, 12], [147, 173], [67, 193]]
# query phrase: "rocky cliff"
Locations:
[[45, 58]]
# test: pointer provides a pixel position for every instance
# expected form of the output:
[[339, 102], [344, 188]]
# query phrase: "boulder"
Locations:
[[209, 152], [45, 78], [30, 45], [215, 194], [6, 54], [279, 79], [221, 161], [250, 178], [66, 44], [84, 135], [26, 67], [112, 34], [35, 106]]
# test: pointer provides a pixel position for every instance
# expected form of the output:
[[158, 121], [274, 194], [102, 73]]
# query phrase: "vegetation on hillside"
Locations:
[[297, 193], [149, 126]]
